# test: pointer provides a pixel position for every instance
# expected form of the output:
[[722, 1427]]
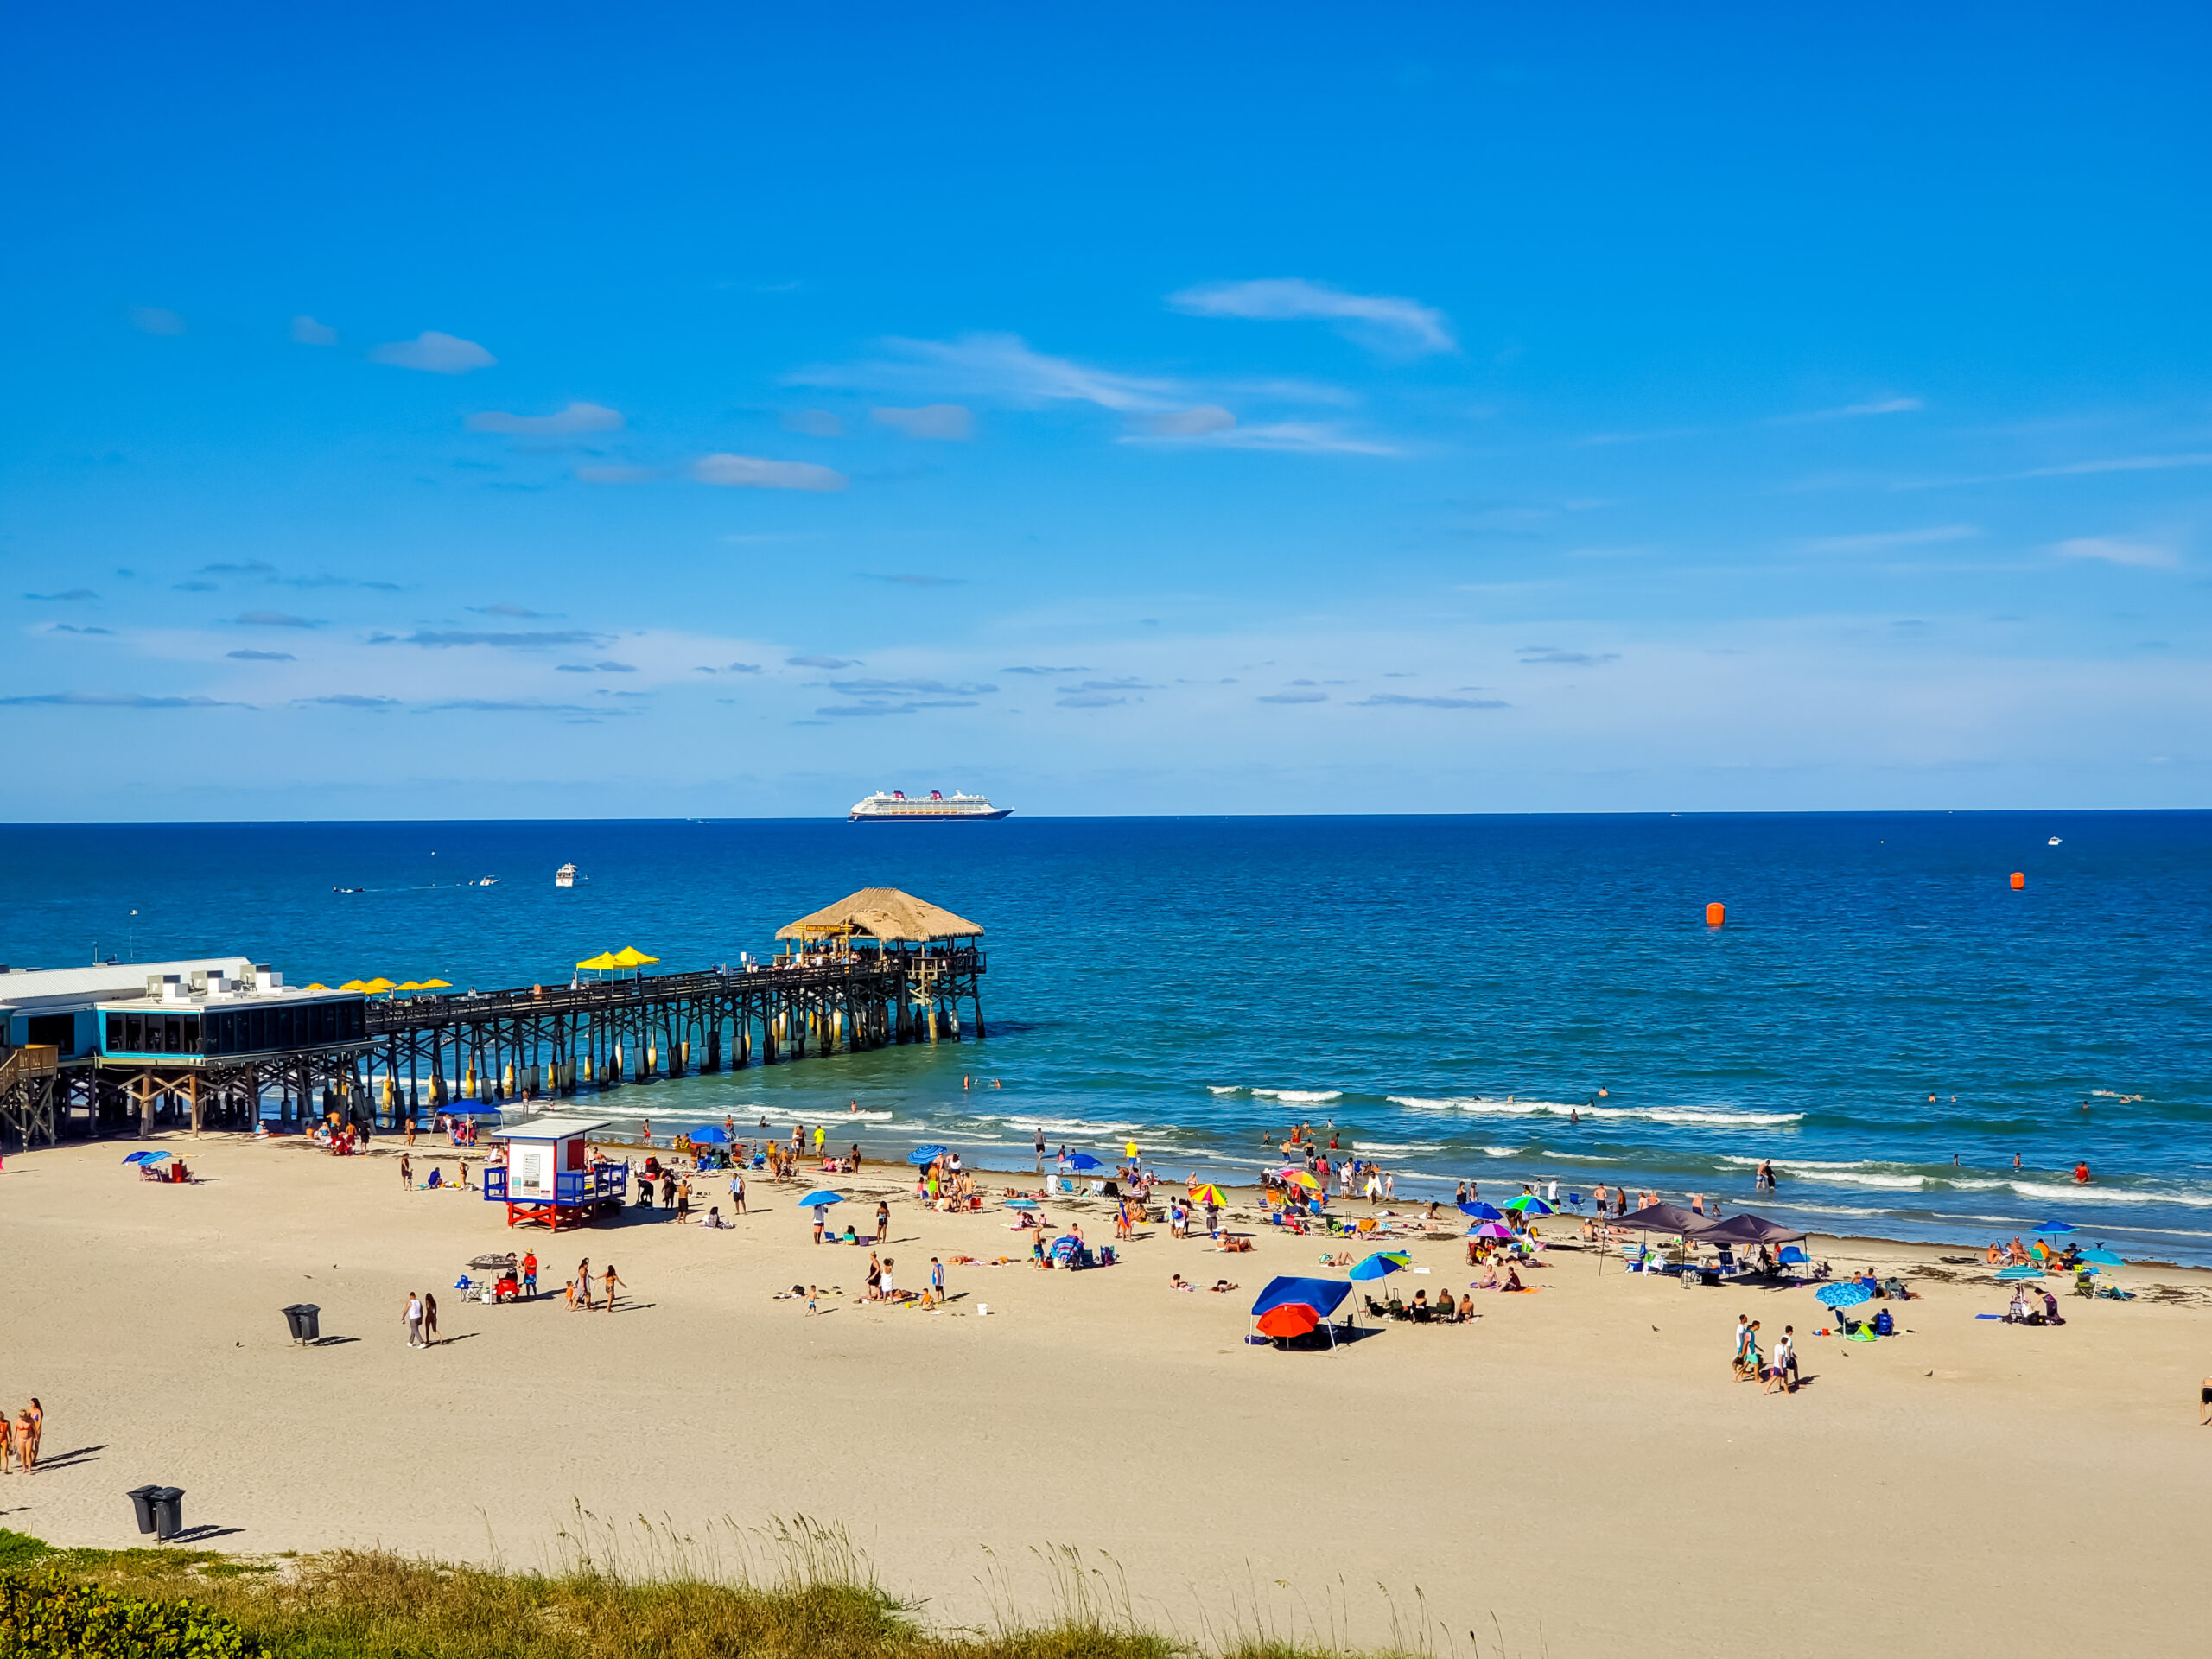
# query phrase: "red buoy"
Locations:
[[2020, 881], [1715, 913]]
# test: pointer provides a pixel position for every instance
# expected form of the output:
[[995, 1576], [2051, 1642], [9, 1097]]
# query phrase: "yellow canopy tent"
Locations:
[[604, 962], [630, 957]]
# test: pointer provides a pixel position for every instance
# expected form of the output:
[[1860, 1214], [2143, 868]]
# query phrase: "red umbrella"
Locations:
[[1292, 1320]]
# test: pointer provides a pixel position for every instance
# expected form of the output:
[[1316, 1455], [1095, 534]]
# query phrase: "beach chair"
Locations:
[[1632, 1254], [1729, 1265]]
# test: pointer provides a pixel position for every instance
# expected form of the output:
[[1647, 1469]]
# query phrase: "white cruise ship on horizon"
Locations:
[[894, 806]]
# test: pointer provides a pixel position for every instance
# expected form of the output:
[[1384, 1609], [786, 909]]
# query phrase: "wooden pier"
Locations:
[[879, 968]]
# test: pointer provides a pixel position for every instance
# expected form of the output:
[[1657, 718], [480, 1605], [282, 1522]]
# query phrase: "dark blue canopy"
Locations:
[[1083, 1161], [712, 1132], [1482, 1212], [1322, 1295]]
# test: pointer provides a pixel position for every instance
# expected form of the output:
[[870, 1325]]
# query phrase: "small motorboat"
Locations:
[[2053, 842], [487, 881], [565, 876]]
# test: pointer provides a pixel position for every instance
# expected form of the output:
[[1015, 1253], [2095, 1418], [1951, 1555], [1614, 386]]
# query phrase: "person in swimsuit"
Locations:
[[882, 1222], [583, 1281], [430, 1320], [7, 1445], [874, 1276], [608, 1279], [37, 1414]]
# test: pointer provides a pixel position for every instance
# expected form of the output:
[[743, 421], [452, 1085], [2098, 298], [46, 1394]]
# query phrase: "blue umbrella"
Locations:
[[2100, 1259], [132, 1157], [921, 1155], [1021, 1204], [713, 1134], [814, 1200], [151, 1157], [1847, 1293], [1381, 1265], [2025, 1270], [1084, 1162], [2056, 1227], [1482, 1212]]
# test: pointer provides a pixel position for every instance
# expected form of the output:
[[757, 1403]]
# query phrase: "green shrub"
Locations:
[[46, 1615], [21, 1549]]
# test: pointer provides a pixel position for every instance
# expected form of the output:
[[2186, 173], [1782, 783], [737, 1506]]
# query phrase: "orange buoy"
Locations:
[[2020, 881], [1715, 913]]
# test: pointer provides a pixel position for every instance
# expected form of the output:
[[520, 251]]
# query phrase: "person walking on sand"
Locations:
[[430, 1320], [414, 1318], [610, 1281], [736, 1192], [7, 1445], [882, 1221], [406, 1172], [37, 1416], [1039, 1142], [583, 1281]]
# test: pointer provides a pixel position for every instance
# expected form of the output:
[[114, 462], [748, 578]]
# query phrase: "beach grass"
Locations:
[[355, 1603]]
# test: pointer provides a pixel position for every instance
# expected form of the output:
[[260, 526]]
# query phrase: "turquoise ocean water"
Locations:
[[1443, 990]]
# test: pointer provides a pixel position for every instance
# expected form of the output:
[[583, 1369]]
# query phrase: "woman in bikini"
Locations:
[[38, 1424], [7, 1444], [26, 1441], [874, 1275]]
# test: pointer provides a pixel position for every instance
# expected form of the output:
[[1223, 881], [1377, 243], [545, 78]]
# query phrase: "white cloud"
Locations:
[[306, 330], [1882, 541], [155, 320], [576, 417], [1384, 321], [1852, 411], [434, 353], [995, 365], [948, 421], [2111, 550], [1190, 422], [751, 473], [1296, 437]]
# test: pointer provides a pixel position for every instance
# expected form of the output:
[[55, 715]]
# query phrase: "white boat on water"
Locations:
[[565, 876], [894, 806]]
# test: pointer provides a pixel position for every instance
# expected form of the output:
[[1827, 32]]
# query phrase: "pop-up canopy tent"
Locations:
[[1293, 1307], [1660, 1219], [1746, 1229]]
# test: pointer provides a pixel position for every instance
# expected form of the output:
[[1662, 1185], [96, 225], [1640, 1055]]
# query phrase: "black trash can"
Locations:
[[306, 1321], [142, 1501], [168, 1511]]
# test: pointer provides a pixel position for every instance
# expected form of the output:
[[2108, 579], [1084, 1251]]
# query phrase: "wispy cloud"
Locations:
[[823, 662], [1568, 658], [521, 706], [2110, 549], [1394, 700], [596, 668], [751, 473], [949, 422], [1294, 437], [434, 353], [306, 330], [439, 638], [227, 568], [1384, 323], [519, 612], [1295, 696], [995, 365], [261, 656], [275, 619], [571, 421], [1853, 411], [907, 708], [155, 320], [814, 422], [2068, 469], [71, 627], [1194, 423], [1882, 541], [1088, 700], [348, 700], [74, 595], [909, 688], [117, 700], [1073, 668]]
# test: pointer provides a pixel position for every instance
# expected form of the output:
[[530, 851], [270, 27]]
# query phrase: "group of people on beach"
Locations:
[[1777, 1371], [19, 1437]]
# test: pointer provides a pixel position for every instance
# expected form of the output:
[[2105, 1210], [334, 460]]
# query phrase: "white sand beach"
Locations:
[[1578, 1467]]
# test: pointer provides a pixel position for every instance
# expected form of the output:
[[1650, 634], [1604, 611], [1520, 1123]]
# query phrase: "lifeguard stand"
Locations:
[[550, 1177]]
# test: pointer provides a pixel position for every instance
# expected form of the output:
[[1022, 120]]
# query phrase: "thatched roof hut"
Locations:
[[884, 914]]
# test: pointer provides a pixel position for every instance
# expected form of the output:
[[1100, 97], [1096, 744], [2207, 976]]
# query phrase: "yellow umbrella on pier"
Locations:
[[353, 985], [318, 986], [436, 985], [377, 986], [407, 985]]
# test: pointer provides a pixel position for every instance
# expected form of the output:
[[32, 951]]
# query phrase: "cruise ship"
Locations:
[[894, 806]]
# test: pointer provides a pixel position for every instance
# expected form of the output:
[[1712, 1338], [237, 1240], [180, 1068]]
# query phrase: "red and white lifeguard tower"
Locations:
[[551, 1178]]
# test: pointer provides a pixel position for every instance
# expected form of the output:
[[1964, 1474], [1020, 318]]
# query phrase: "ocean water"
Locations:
[[1882, 1015]]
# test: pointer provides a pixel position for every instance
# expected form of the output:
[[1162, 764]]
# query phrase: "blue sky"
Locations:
[[538, 411]]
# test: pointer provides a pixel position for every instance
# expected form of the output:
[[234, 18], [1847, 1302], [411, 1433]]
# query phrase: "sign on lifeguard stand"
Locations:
[[550, 1177]]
